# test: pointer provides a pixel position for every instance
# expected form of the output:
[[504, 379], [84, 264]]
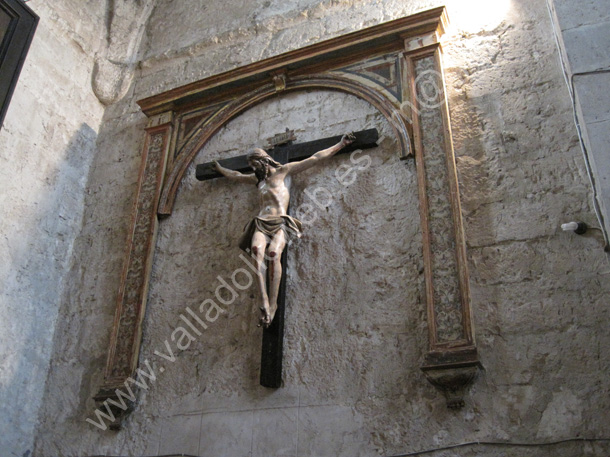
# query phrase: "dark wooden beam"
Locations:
[[273, 338], [365, 139]]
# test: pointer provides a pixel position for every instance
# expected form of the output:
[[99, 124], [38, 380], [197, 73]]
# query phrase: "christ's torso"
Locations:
[[274, 194]]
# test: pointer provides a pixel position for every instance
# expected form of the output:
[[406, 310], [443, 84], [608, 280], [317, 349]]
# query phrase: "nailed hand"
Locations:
[[348, 138]]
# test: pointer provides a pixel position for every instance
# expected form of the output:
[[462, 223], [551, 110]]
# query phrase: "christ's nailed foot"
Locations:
[[266, 319]]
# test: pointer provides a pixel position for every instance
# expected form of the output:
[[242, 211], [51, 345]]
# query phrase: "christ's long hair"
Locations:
[[260, 155]]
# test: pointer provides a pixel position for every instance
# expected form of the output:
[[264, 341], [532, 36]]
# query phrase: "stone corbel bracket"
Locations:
[[393, 66]]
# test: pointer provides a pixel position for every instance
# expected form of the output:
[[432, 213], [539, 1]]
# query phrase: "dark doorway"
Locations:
[[17, 26]]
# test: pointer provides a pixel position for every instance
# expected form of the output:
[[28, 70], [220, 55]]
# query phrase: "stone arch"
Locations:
[[330, 81]]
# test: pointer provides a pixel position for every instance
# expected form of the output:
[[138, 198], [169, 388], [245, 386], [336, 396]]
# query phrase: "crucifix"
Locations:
[[266, 236]]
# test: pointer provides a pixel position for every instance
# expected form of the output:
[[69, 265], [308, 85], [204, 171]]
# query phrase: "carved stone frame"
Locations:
[[182, 120]]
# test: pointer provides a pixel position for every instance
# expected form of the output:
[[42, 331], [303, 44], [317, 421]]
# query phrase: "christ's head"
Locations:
[[260, 162]]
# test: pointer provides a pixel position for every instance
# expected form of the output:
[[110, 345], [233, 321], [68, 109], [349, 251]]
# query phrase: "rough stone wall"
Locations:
[[539, 294], [46, 146], [582, 31], [356, 320], [360, 239]]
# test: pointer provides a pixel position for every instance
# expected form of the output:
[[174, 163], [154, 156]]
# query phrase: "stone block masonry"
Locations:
[[354, 344]]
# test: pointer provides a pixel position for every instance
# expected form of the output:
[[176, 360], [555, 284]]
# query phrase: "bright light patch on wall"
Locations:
[[475, 15]]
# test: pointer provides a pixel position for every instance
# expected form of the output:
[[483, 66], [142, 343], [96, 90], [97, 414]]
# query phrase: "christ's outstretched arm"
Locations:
[[297, 167], [248, 178]]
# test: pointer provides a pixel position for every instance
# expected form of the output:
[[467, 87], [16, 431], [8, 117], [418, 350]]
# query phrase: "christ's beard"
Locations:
[[261, 173]]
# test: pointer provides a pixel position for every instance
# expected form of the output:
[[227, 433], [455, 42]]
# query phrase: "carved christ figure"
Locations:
[[266, 235]]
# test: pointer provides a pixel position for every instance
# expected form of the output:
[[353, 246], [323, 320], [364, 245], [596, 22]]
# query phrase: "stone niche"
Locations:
[[378, 285]]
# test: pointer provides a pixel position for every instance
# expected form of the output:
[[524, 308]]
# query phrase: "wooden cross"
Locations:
[[273, 336]]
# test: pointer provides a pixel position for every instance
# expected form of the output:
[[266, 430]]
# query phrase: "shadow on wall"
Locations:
[[45, 221]]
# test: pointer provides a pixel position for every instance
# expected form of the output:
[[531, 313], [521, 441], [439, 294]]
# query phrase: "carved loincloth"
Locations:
[[269, 226]]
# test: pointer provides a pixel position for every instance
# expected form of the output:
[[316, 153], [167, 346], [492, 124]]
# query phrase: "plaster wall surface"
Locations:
[[356, 328], [582, 32], [47, 144]]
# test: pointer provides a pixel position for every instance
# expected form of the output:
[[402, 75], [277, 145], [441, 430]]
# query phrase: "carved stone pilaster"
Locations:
[[452, 361], [131, 303]]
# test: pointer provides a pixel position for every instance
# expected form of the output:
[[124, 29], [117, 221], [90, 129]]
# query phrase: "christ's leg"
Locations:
[[259, 243], [276, 247]]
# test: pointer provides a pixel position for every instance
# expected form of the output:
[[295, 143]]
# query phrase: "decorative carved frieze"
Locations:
[[384, 71]]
